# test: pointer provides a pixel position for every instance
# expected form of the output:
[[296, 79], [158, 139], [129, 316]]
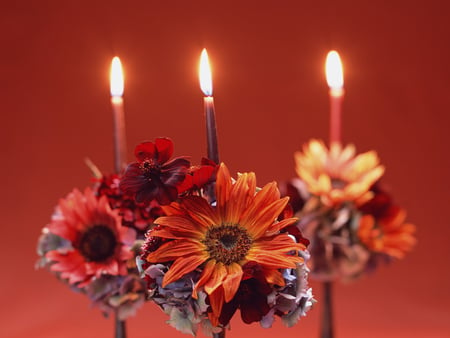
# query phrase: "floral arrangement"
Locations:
[[192, 239], [351, 220], [201, 244]]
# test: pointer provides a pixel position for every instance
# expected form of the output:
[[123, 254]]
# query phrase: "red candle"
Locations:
[[335, 80], [210, 115], [116, 86]]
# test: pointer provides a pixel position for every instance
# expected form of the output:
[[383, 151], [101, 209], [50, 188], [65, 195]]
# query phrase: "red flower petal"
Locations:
[[185, 185], [174, 172], [146, 192], [164, 149], [133, 179], [202, 176], [165, 194], [207, 161], [145, 151]]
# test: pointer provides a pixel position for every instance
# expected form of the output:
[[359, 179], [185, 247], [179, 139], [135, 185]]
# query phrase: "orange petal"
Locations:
[[338, 195], [239, 198], [363, 163], [278, 244], [364, 198], [276, 227], [408, 228], [166, 233], [63, 229], [216, 300], [366, 224], [258, 223], [216, 278], [65, 262], [174, 249], [347, 153], [232, 281], [223, 188], [395, 220], [204, 277], [181, 226], [172, 209], [267, 195], [200, 210], [251, 181], [301, 169], [274, 276], [316, 153], [275, 261], [265, 253], [324, 183], [182, 266]]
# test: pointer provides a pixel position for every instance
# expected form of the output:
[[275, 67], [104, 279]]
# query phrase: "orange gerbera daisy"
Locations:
[[241, 228], [388, 235], [99, 244], [336, 175]]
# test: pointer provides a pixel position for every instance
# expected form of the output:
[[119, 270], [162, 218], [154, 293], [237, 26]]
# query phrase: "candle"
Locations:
[[210, 116], [116, 87], [335, 80]]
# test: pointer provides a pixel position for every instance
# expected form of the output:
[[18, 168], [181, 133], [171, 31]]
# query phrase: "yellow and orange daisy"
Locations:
[[220, 240], [336, 174], [388, 235]]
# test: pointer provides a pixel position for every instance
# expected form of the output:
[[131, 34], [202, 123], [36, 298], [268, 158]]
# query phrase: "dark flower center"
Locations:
[[227, 243], [98, 243], [150, 169], [337, 183]]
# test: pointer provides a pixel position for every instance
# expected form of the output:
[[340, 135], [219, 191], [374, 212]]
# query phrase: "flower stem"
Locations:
[[220, 334], [120, 328], [327, 314]]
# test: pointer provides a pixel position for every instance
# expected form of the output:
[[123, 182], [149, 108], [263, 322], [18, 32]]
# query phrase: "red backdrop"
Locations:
[[271, 97]]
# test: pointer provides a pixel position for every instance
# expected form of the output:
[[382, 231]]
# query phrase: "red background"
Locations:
[[271, 97]]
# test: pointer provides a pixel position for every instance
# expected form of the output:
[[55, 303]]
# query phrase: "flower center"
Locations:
[[150, 169], [227, 243], [98, 243], [337, 183]]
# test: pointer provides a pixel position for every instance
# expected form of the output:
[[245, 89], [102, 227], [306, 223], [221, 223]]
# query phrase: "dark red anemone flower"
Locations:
[[380, 205], [291, 189], [251, 297], [153, 176]]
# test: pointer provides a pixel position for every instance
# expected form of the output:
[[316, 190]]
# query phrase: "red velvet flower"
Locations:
[[380, 204], [250, 298], [153, 176], [292, 189]]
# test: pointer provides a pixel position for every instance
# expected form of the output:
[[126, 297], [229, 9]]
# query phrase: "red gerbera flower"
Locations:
[[100, 245], [153, 176]]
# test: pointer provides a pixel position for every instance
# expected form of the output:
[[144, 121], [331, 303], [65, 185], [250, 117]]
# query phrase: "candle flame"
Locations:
[[205, 74], [116, 78], [334, 71]]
